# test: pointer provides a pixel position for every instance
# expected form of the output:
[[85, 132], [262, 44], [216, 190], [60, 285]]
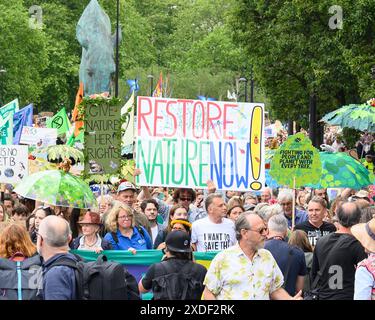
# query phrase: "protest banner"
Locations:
[[128, 127], [6, 129], [102, 136], [138, 264], [13, 163], [10, 108], [296, 163], [39, 137], [183, 143], [22, 118], [296, 157]]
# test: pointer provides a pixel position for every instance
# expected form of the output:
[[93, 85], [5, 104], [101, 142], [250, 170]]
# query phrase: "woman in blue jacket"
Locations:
[[123, 234]]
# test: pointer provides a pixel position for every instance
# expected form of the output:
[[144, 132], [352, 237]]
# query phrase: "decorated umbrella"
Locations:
[[339, 170], [356, 116], [57, 187], [58, 153]]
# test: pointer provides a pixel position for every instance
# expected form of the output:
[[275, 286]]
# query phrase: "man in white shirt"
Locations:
[[149, 208], [214, 232]]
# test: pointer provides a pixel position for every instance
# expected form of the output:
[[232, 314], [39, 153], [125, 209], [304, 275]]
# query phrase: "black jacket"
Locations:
[[106, 245]]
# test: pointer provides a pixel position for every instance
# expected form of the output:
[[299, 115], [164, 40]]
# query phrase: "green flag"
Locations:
[[59, 121], [72, 140], [6, 130], [10, 108]]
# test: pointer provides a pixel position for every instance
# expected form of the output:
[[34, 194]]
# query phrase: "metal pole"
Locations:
[[246, 90], [117, 48], [251, 86]]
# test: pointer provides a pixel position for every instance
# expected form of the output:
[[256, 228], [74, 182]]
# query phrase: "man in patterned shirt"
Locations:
[[246, 271]]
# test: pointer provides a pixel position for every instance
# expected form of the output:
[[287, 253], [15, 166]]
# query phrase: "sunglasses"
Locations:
[[186, 199]]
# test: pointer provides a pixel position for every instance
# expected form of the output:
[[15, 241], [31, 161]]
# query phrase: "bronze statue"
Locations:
[[97, 63]]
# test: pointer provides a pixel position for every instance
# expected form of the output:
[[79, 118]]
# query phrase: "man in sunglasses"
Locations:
[[183, 196], [246, 271]]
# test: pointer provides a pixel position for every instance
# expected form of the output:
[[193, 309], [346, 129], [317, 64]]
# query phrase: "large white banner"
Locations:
[[14, 165], [184, 143], [40, 137]]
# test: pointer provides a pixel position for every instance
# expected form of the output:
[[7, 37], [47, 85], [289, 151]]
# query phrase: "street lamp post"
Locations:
[[117, 48], [244, 80], [251, 85], [151, 77]]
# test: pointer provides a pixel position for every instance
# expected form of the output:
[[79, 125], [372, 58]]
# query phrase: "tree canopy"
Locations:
[[202, 47]]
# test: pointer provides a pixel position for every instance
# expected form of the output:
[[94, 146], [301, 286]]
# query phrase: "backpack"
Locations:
[[19, 279], [180, 285], [101, 279]]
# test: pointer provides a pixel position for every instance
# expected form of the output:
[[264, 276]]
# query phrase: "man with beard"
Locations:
[[150, 210], [246, 271]]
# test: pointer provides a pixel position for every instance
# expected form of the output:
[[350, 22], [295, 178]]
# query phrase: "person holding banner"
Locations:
[[181, 196], [214, 232], [123, 234]]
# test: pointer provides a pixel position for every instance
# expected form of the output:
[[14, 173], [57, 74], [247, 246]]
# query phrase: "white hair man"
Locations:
[[290, 259], [285, 200], [246, 271]]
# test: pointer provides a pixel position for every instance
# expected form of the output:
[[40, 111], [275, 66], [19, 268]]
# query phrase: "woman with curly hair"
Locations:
[[16, 241], [123, 234]]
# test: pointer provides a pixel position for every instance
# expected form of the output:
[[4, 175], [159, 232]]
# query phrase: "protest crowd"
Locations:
[[179, 199], [323, 250]]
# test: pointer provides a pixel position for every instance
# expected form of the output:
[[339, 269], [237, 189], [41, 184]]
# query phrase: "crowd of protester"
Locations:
[[266, 250]]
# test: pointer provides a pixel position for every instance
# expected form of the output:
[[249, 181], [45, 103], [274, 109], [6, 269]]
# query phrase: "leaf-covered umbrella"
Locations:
[[57, 187], [60, 152], [339, 170], [357, 116]]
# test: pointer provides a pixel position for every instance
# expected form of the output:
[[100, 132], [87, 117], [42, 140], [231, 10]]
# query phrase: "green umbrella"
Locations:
[[339, 170], [56, 187], [357, 116]]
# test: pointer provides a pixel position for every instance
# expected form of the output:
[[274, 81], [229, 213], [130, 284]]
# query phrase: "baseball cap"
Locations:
[[178, 241], [126, 185]]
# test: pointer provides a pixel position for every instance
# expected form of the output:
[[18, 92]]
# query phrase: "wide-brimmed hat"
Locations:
[[90, 218], [365, 234], [178, 241]]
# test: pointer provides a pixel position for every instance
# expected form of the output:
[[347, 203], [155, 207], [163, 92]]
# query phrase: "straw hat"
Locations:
[[365, 233]]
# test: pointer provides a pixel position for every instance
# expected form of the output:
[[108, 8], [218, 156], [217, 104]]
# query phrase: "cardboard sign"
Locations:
[[102, 139], [183, 143], [13, 163], [39, 137], [297, 158]]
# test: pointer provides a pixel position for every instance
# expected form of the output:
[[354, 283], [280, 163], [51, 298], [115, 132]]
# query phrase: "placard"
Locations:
[[39, 137], [183, 143], [13, 163]]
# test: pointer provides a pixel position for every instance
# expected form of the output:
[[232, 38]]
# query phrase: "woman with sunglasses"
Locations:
[[123, 234]]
